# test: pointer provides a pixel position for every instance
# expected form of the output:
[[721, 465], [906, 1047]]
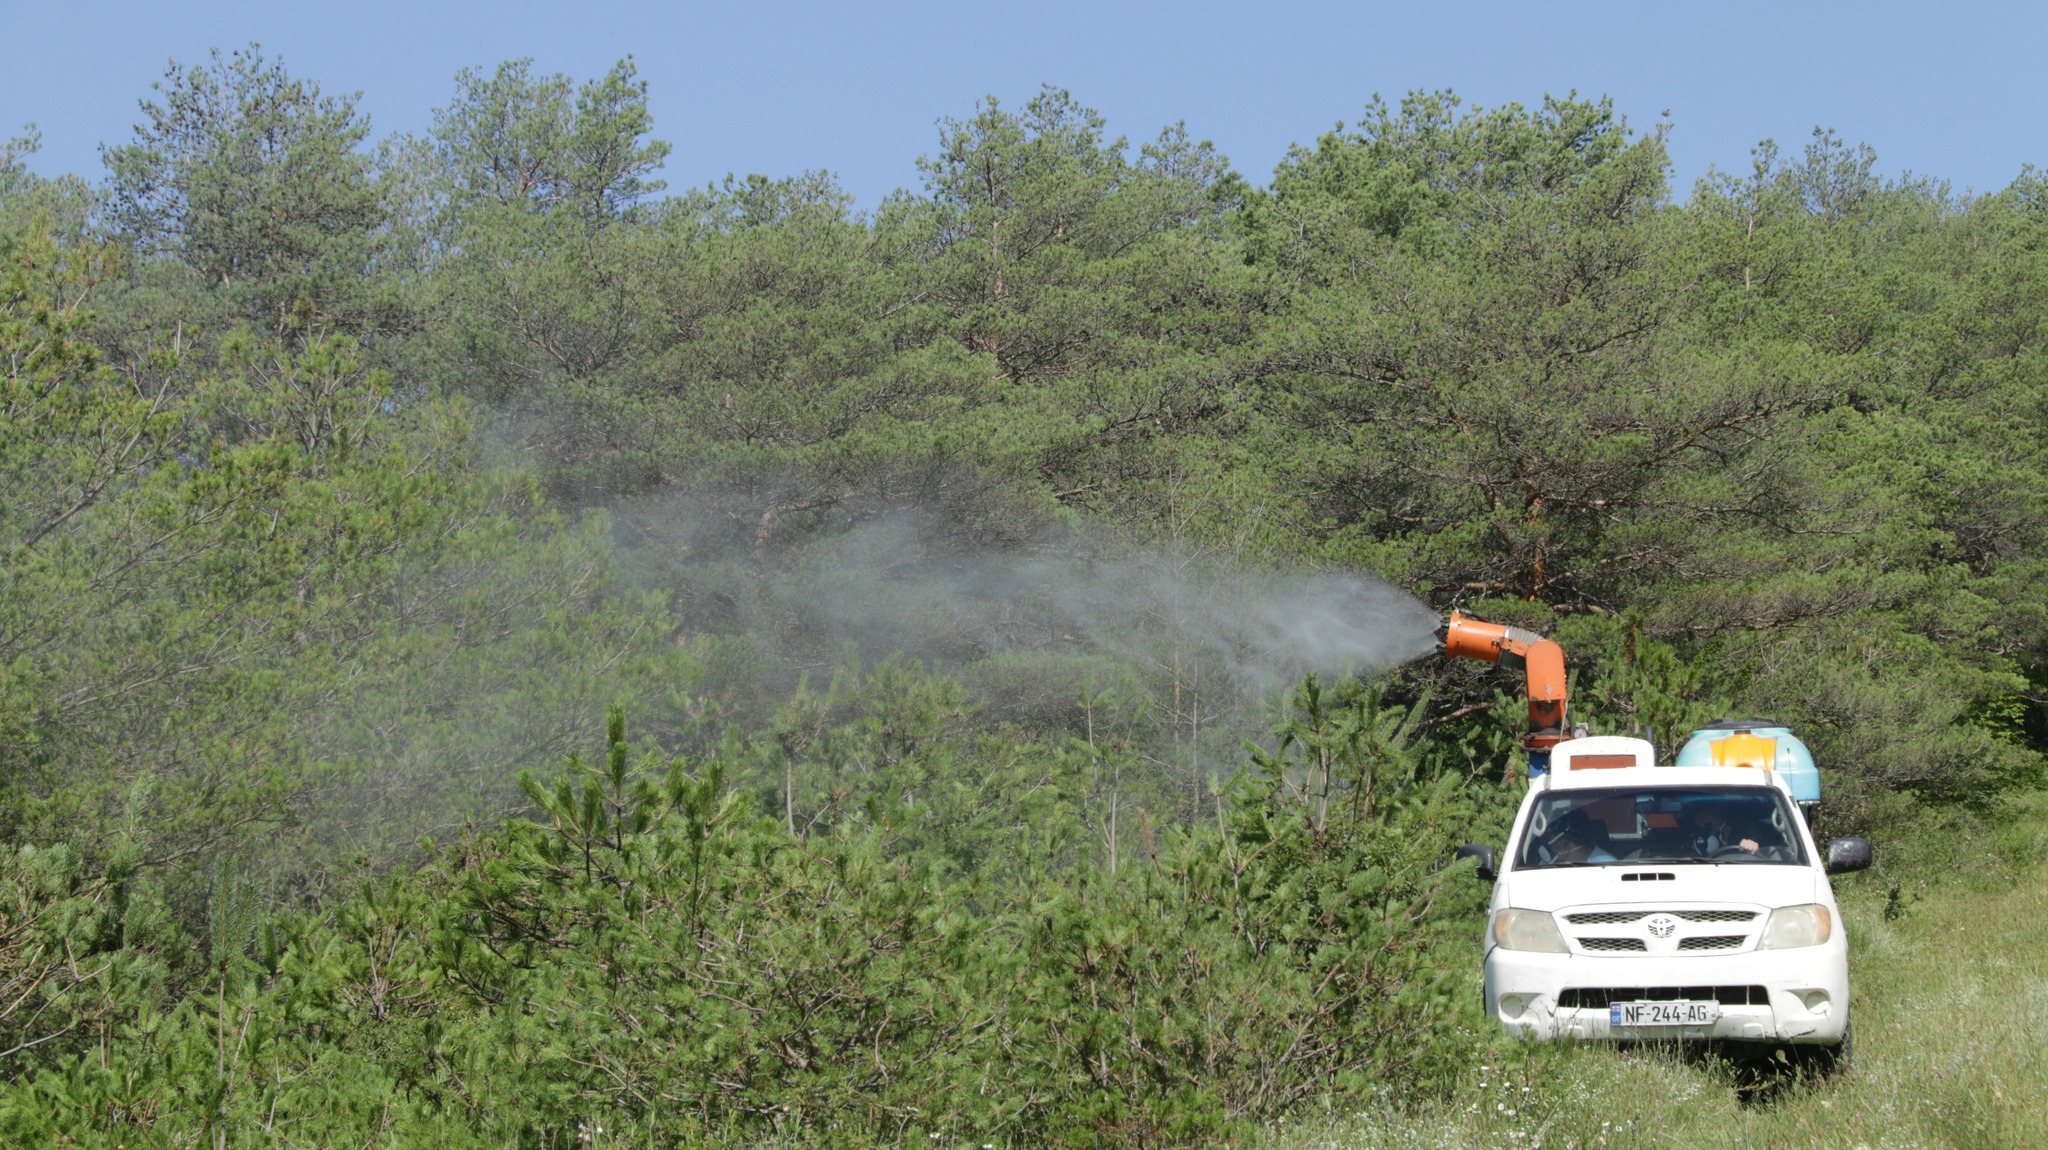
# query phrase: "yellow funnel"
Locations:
[[1743, 749]]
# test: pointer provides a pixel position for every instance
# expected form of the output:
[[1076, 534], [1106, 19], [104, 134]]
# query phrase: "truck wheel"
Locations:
[[1827, 1061]]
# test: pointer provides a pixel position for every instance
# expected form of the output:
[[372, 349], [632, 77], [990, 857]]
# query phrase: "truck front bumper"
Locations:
[[1777, 996]]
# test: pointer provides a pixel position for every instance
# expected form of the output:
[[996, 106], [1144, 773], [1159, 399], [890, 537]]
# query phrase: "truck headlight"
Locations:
[[1527, 930], [1792, 926]]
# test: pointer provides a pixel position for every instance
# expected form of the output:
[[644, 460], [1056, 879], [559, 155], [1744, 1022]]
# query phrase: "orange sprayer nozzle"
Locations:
[[1469, 638]]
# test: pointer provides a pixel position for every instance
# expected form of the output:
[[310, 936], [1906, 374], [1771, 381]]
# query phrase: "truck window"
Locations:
[[1741, 825]]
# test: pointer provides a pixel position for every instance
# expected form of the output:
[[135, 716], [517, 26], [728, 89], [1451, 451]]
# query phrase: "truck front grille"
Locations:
[[1612, 944], [1606, 917], [1615, 917], [1597, 997], [1713, 942]]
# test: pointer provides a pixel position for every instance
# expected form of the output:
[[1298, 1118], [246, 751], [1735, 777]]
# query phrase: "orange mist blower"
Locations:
[[1542, 665]]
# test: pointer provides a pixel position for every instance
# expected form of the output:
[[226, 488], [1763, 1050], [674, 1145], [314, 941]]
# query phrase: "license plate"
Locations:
[[1663, 1013]]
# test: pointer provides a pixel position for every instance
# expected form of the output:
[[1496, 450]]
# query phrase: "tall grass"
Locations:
[[1950, 998]]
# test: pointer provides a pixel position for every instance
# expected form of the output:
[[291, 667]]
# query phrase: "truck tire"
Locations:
[[1828, 1061]]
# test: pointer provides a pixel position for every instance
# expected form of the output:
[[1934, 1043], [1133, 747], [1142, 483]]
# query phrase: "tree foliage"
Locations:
[[250, 178]]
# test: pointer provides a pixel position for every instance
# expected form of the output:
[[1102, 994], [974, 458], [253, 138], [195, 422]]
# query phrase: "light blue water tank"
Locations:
[[1794, 761]]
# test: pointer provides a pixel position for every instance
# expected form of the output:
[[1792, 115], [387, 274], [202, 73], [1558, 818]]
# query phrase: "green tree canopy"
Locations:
[[252, 179]]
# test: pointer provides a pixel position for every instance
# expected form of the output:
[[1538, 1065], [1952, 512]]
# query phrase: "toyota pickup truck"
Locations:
[[1638, 901]]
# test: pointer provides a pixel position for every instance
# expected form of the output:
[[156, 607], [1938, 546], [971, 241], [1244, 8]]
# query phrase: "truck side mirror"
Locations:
[[1845, 855], [1484, 853]]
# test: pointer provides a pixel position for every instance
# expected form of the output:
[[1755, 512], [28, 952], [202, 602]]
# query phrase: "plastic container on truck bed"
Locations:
[[1759, 743]]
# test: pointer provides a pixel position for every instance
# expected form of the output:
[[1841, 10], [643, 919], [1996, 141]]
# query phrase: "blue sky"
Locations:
[[1947, 90]]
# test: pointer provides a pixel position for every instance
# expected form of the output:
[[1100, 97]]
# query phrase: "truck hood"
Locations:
[[1749, 883]]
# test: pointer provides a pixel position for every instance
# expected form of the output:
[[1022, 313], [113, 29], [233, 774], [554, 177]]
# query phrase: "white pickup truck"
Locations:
[[1645, 902]]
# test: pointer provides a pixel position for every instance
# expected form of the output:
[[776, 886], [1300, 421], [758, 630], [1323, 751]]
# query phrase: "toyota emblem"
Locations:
[[1662, 926]]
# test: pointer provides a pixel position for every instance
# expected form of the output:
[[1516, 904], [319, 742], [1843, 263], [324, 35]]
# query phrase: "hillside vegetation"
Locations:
[[494, 649]]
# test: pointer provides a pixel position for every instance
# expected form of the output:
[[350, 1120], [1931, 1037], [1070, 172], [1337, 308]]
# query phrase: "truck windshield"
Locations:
[[1746, 825]]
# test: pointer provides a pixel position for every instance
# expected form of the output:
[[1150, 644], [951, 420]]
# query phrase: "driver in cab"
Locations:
[[1717, 831]]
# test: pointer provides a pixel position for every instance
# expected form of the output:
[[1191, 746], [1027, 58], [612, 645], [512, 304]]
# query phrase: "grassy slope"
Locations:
[[1951, 1012]]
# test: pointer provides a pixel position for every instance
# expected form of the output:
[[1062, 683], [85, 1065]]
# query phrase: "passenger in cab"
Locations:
[[1575, 839]]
